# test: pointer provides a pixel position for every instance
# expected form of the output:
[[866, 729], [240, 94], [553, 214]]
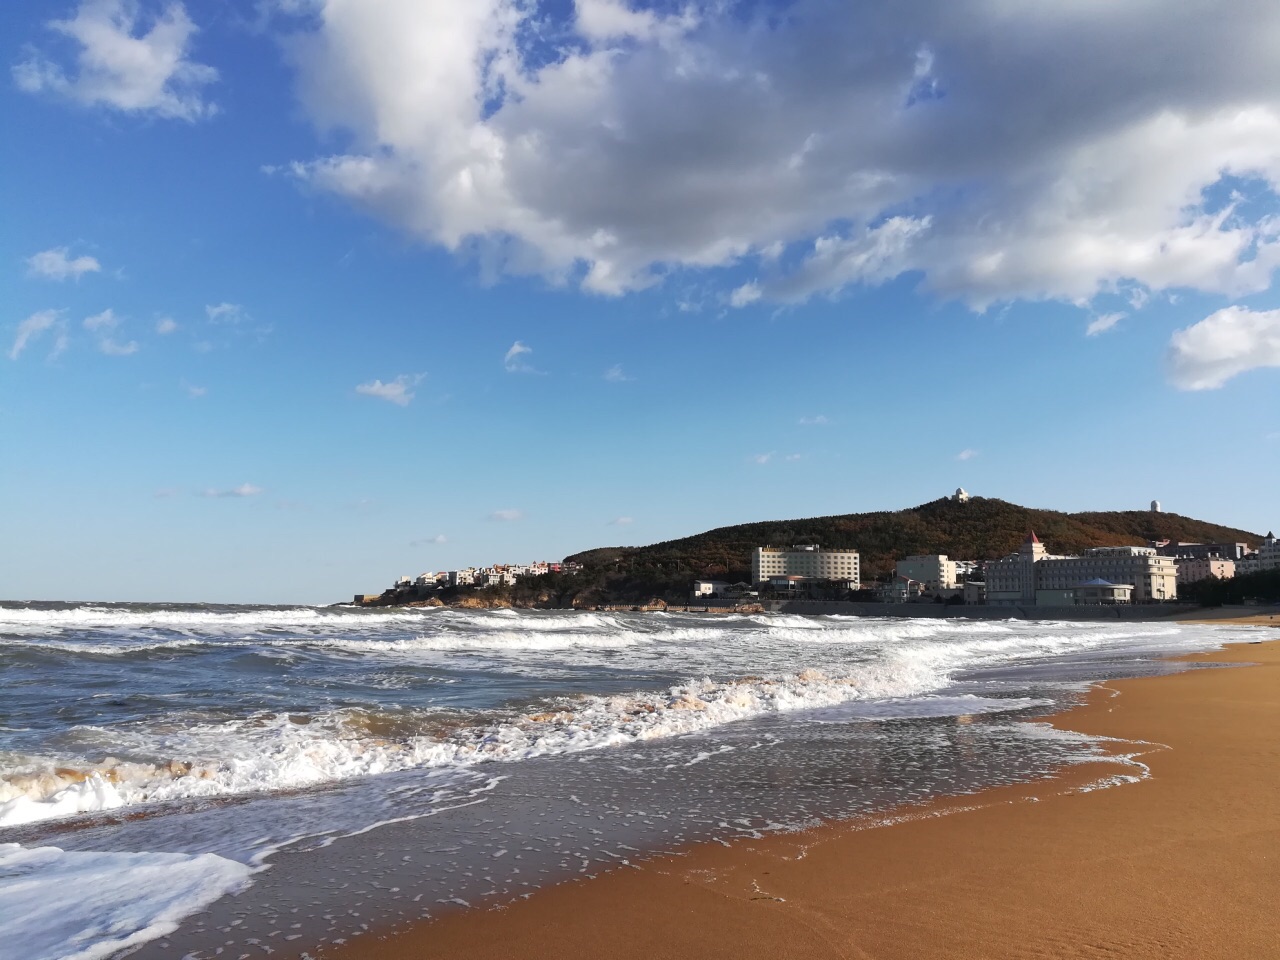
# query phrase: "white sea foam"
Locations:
[[275, 752], [61, 905], [21, 620], [882, 664]]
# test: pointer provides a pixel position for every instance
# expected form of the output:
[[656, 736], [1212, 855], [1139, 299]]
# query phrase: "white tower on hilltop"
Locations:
[[962, 495], [1155, 506]]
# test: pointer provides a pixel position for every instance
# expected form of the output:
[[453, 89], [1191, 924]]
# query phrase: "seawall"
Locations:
[[1031, 612]]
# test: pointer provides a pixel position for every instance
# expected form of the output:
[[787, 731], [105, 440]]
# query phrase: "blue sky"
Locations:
[[300, 296]]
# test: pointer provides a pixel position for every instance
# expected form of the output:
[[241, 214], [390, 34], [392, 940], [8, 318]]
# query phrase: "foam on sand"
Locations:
[[61, 905]]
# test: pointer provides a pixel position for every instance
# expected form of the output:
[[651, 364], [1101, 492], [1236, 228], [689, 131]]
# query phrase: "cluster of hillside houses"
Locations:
[[497, 575]]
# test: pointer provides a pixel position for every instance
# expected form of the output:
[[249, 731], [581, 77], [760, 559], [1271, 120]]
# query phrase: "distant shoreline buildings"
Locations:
[[1032, 576]]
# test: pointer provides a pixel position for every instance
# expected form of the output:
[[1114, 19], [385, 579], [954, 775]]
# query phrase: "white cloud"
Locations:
[[166, 326], [226, 313], [60, 343], [762, 458], [818, 421], [126, 62], [113, 348], [512, 362], [106, 320], [793, 457], [615, 374], [1103, 323], [57, 264], [621, 521], [507, 516], [1232, 341], [244, 490], [193, 391], [841, 144], [966, 454], [398, 391], [31, 328], [426, 541], [745, 294]]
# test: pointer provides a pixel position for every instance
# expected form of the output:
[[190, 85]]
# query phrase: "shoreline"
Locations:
[[1047, 868]]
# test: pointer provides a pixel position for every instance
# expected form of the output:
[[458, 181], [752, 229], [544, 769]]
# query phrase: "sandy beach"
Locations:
[[1185, 863]]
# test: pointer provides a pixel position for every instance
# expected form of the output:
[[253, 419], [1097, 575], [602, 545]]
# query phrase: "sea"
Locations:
[[202, 780]]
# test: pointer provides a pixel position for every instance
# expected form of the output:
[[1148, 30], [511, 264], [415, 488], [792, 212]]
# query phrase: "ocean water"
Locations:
[[185, 776]]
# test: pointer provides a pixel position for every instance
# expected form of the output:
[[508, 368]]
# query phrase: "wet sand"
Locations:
[[1185, 863]]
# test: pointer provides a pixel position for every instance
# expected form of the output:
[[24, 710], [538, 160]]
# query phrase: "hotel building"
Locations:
[[935, 571], [1191, 569], [1034, 576], [1269, 553], [809, 561]]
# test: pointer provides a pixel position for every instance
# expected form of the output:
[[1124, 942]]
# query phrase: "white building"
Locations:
[[709, 588], [809, 561], [1269, 553], [1191, 569], [935, 571], [1033, 574]]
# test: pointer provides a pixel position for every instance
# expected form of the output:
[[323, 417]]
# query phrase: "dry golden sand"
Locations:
[[1185, 864]]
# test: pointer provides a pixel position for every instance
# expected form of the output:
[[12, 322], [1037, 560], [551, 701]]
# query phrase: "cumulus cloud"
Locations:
[[106, 320], [244, 490], [512, 360], [166, 326], [58, 264], [746, 294], [428, 541], [955, 141], [226, 313], [762, 458], [1223, 345], [615, 374], [507, 516], [114, 348], [621, 521], [31, 329], [398, 391], [193, 391], [1103, 323], [966, 454], [125, 61]]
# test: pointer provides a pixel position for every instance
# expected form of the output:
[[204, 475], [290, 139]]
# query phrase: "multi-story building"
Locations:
[[1034, 575], [1191, 569], [935, 571], [901, 589], [1269, 553], [809, 561]]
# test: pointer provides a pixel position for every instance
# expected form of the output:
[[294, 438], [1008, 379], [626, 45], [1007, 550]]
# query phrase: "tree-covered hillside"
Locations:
[[980, 529]]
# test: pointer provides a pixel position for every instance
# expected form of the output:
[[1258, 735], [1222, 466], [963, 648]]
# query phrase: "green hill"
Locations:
[[980, 529]]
